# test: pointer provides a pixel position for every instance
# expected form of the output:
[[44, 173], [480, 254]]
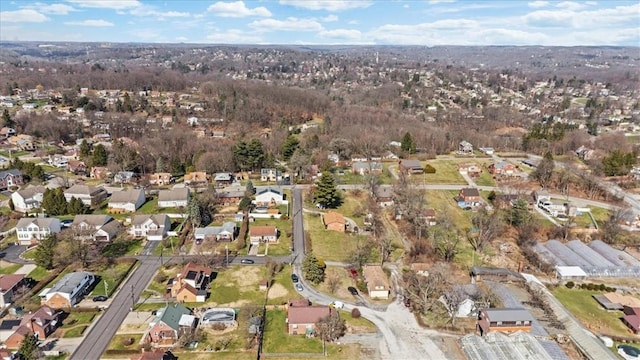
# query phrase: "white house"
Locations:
[[226, 232], [68, 291], [27, 198], [153, 227], [96, 227], [269, 197], [90, 195], [126, 200], [30, 229], [263, 234], [174, 198]]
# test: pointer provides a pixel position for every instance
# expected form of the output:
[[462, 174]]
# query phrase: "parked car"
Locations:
[[294, 278], [353, 272], [353, 290], [247, 261], [66, 223], [100, 298], [337, 305], [299, 287]]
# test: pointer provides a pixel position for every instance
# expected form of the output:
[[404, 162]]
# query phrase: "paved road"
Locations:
[[298, 227], [105, 327], [12, 254]]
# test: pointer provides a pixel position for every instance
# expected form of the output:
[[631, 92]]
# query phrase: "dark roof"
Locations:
[[171, 315], [9, 324], [410, 164], [13, 172], [469, 192]]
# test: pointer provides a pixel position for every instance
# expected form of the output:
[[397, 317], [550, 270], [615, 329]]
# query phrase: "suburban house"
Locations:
[[465, 148], [99, 172], [27, 198], [223, 179], [502, 168], [125, 177], [30, 230], [301, 320], [410, 167], [334, 221], [229, 197], [22, 142], [196, 178], [160, 179], [126, 201], [584, 153], [366, 167], [470, 169], [190, 284], [271, 175], [77, 167], [174, 198], [263, 234], [506, 201], [269, 197], [95, 227], [68, 291], [504, 320], [153, 227], [377, 282], [9, 283], [468, 197], [7, 132], [169, 324], [429, 217], [631, 318], [90, 195], [383, 196], [226, 232], [42, 323], [9, 178]]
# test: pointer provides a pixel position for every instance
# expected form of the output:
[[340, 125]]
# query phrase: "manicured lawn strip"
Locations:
[[75, 332], [150, 207], [29, 254], [361, 323], [112, 276], [10, 269], [38, 273], [277, 340], [485, 179], [78, 318], [586, 309], [118, 342]]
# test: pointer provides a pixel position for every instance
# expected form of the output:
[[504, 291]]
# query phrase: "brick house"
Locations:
[[468, 197], [263, 234], [160, 179], [190, 284], [410, 167], [502, 168], [68, 291], [301, 320], [334, 221], [169, 324], [41, 323]]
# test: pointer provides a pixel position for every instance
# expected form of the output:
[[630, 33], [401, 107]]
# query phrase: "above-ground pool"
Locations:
[[219, 315]]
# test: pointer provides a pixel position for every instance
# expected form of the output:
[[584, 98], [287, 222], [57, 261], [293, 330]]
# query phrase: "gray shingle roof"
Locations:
[[69, 282], [173, 195], [508, 314]]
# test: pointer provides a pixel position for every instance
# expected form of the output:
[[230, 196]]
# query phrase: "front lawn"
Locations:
[[584, 307], [446, 173], [38, 273], [359, 325], [122, 246], [75, 332], [110, 278], [283, 246], [485, 179], [124, 342], [238, 285], [29, 254], [10, 268], [327, 244]]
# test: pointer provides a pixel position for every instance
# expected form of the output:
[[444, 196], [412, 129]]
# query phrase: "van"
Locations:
[[337, 305]]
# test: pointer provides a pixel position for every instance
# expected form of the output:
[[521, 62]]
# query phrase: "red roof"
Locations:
[[7, 282], [263, 231], [307, 315], [633, 321]]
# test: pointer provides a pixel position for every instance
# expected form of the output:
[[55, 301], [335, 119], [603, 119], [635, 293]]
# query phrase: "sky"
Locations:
[[332, 22]]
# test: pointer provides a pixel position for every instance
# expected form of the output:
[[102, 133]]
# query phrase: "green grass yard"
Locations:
[[38, 273], [10, 268], [327, 244], [111, 277]]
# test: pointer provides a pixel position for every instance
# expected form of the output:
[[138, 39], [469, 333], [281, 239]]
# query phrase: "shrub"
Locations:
[[362, 286], [428, 169], [355, 313], [127, 341], [570, 284], [602, 287]]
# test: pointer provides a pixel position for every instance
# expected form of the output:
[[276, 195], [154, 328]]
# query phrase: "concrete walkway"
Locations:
[[26, 269]]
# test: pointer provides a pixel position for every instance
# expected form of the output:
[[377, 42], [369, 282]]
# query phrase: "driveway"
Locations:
[[12, 254]]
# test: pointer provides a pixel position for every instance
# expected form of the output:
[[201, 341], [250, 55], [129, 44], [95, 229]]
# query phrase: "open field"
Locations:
[[354, 206], [325, 243], [110, 279], [446, 173], [586, 309]]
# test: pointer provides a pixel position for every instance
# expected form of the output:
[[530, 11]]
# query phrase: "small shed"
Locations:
[[570, 273], [263, 285]]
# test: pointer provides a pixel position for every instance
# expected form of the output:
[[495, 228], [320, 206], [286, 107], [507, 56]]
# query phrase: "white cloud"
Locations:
[[182, 39], [290, 24], [538, 4], [233, 36], [92, 23], [353, 22], [107, 4], [329, 18], [53, 9], [347, 34], [617, 17], [237, 9], [433, 2], [571, 5], [328, 5], [406, 6], [24, 15]]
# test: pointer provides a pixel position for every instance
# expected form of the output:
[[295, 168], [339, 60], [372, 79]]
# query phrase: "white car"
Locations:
[[337, 305]]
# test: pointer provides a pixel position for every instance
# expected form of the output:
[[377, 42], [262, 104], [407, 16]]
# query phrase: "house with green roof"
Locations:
[[170, 323]]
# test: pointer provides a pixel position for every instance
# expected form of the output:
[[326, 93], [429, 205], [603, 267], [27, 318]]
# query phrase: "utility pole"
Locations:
[[226, 248], [133, 301]]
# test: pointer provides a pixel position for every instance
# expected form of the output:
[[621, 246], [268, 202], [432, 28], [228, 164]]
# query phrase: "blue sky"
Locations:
[[394, 22]]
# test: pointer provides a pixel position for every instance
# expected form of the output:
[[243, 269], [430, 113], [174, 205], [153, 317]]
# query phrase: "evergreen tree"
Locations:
[[45, 252], [326, 192], [245, 204], [7, 120], [544, 171], [54, 202], [29, 348], [313, 269], [161, 166], [85, 149], [407, 144], [194, 211], [241, 155], [250, 189], [256, 154], [290, 145], [99, 156]]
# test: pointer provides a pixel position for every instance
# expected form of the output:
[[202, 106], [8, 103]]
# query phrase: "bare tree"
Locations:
[[425, 289], [452, 298], [333, 282], [330, 328], [487, 228], [610, 229]]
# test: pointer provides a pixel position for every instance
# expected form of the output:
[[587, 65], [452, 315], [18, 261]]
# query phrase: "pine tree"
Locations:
[[29, 348], [326, 193], [85, 149], [291, 143], [194, 211], [7, 120], [407, 144], [250, 189], [44, 253], [99, 156], [313, 269]]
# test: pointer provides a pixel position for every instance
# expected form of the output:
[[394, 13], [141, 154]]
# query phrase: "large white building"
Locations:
[[28, 198], [32, 230]]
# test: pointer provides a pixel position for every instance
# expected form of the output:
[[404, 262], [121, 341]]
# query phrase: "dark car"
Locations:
[[66, 223], [247, 261], [353, 290], [294, 278], [100, 298]]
